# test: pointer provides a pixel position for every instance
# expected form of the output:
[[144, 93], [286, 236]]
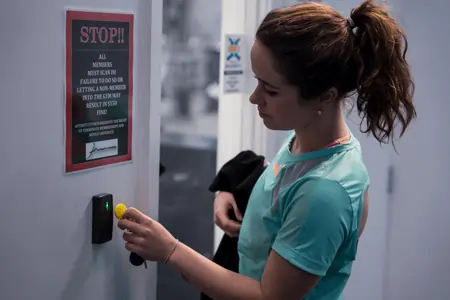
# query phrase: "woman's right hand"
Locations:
[[222, 204]]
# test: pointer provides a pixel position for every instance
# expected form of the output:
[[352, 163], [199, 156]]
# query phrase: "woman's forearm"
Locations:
[[212, 279]]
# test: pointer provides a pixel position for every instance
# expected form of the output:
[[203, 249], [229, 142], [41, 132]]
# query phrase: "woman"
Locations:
[[300, 232]]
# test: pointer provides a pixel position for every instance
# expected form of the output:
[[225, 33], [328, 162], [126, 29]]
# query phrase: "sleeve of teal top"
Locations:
[[316, 218]]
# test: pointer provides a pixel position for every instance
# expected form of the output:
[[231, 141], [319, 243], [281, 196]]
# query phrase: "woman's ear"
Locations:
[[329, 96]]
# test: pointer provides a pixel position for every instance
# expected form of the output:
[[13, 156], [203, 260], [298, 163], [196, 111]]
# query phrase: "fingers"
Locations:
[[223, 202], [136, 228], [231, 228], [126, 224], [132, 238], [134, 214], [223, 221], [133, 248], [220, 218], [237, 213], [135, 221]]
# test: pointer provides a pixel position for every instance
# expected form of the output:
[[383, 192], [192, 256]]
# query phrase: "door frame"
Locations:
[[239, 126], [149, 22]]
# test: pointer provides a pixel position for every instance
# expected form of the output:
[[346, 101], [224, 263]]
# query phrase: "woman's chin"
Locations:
[[269, 124]]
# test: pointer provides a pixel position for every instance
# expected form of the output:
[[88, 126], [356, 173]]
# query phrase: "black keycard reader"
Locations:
[[102, 218]]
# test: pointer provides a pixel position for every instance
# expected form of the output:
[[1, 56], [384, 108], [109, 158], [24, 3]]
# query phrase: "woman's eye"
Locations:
[[271, 93]]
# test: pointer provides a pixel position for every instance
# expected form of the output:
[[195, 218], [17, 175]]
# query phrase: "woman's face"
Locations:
[[279, 103]]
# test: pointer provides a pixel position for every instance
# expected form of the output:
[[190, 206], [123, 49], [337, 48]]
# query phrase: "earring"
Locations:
[[319, 112]]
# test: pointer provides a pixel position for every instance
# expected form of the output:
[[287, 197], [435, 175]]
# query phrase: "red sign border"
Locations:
[[96, 16]]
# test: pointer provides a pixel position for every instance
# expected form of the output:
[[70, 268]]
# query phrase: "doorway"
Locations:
[[190, 79]]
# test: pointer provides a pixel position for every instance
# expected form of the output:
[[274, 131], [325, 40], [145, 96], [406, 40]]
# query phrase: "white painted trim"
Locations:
[[154, 129], [240, 127], [148, 27]]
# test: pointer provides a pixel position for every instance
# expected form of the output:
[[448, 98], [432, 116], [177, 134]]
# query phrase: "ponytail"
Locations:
[[384, 85]]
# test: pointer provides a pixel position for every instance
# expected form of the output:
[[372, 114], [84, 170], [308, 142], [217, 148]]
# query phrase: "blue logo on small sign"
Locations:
[[234, 49]]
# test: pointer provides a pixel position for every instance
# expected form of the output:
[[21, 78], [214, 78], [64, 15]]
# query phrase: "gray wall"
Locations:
[[45, 227], [419, 239]]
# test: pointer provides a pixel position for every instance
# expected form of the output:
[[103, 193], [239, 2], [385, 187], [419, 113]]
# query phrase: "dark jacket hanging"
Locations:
[[237, 176]]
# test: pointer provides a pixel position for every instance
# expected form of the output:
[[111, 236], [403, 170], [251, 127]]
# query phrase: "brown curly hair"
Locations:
[[316, 48]]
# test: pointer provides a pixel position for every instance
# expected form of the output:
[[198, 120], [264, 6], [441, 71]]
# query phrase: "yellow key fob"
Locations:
[[119, 210]]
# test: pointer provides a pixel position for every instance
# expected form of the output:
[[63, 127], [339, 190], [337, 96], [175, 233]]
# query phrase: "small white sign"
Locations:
[[101, 149], [234, 64]]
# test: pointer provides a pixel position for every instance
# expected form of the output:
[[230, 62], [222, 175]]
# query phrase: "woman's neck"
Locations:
[[318, 137]]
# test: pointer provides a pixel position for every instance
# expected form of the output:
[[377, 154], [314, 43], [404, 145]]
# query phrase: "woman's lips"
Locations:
[[262, 114]]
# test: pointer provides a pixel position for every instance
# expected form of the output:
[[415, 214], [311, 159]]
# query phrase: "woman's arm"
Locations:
[[281, 280], [212, 279]]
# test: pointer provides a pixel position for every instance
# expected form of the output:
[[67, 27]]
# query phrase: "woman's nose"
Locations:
[[254, 98]]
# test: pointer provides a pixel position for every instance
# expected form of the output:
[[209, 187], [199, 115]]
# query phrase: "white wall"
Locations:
[[45, 250]]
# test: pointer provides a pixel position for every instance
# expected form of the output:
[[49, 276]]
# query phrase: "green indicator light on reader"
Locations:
[[107, 206]]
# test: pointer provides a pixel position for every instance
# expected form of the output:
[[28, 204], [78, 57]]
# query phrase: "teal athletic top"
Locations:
[[307, 208]]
